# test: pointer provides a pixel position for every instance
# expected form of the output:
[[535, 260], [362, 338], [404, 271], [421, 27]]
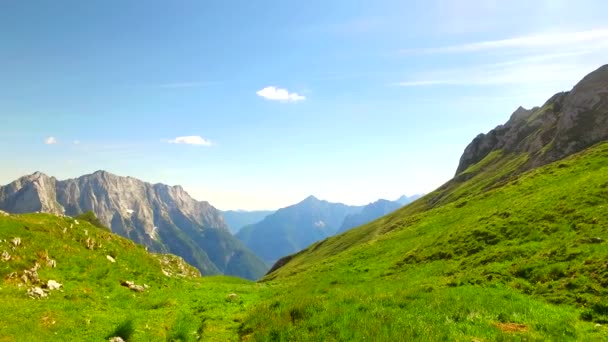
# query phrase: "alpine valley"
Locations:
[[512, 248]]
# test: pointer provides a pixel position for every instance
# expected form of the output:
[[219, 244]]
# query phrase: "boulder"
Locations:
[[53, 285], [132, 286], [36, 292]]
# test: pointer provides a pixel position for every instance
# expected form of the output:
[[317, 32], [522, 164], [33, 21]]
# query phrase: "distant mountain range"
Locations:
[[237, 219], [369, 213], [291, 229], [163, 218]]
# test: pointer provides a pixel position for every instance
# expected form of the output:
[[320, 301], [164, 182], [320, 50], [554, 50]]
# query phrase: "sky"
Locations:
[[258, 104]]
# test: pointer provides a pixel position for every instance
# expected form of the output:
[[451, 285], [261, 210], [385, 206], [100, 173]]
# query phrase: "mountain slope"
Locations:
[[237, 219], [164, 218], [369, 213], [292, 228], [173, 303], [516, 237], [524, 260], [567, 123]]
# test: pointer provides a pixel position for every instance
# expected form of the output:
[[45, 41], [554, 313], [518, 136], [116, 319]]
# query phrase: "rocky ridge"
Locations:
[[164, 218], [567, 123]]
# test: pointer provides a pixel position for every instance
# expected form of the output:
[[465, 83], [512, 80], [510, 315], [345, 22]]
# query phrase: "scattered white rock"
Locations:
[[116, 339], [65, 230], [112, 260], [232, 297], [86, 232], [16, 241], [53, 285], [598, 325], [3, 213], [36, 292], [132, 286], [51, 263], [76, 222], [130, 211], [6, 256]]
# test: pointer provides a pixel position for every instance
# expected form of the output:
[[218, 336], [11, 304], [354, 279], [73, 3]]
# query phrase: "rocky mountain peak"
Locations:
[[162, 217], [567, 123]]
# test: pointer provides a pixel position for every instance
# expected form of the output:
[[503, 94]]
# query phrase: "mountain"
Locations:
[[164, 218], [292, 228], [516, 236], [567, 123], [369, 213], [504, 251], [403, 200], [82, 283], [237, 219]]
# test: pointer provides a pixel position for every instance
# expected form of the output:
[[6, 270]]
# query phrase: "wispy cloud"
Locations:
[[534, 60], [190, 140], [279, 94], [536, 41], [50, 141]]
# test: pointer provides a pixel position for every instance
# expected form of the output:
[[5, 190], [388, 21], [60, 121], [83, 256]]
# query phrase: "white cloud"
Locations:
[[319, 224], [50, 141], [279, 94], [76, 142], [535, 41], [549, 61], [191, 140]]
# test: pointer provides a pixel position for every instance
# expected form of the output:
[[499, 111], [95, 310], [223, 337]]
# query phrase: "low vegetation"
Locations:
[[493, 255]]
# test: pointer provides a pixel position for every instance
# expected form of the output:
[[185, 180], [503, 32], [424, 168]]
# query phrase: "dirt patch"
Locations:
[[511, 327]]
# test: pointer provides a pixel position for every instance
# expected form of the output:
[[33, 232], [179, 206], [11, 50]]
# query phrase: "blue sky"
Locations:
[[258, 104]]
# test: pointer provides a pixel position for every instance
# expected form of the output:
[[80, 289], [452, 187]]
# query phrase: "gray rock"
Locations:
[[53, 285], [36, 292], [116, 339], [16, 242], [567, 123], [132, 286], [163, 218]]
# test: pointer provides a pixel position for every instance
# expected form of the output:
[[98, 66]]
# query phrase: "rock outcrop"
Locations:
[[567, 123], [163, 218]]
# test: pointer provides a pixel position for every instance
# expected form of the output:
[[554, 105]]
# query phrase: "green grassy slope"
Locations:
[[489, 256], [92, 304], [492, 255]]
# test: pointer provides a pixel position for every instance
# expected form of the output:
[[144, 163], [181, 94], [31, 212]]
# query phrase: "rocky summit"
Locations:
[[567, 123], [163, 218]]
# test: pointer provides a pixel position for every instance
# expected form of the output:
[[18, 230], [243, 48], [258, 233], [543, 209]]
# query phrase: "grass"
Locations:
[[494, 256], [528, 253], [92, 304]]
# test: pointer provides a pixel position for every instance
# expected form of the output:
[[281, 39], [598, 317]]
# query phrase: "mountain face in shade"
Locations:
[[290, 229], [237, 219], [567, 123], [369, 213], [163, 218]]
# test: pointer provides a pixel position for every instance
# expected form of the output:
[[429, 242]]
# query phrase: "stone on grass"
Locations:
[[112, 260], [36, 292], [53, 285]]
